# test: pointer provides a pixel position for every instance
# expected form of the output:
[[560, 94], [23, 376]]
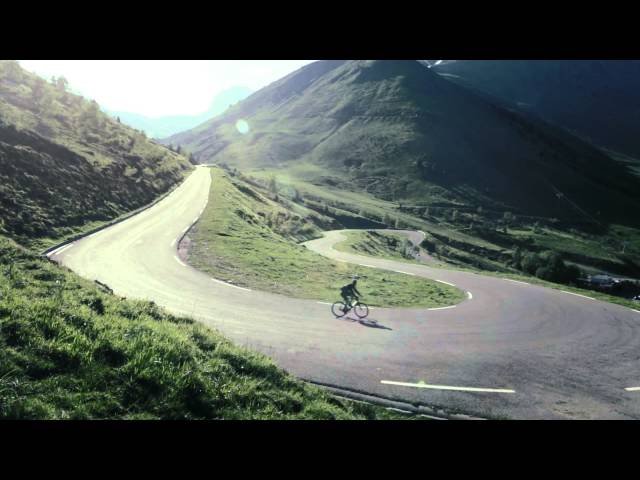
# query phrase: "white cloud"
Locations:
[[161, 87]]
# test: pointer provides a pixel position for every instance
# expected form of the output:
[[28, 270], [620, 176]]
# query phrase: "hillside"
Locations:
[[161, 127], [596, 99], [399, 131], [64, 164]]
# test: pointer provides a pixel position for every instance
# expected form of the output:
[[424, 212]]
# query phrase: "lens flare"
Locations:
[[242, 126]]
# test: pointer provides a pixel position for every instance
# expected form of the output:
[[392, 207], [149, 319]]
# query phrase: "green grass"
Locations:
[[233, 242], [70, 351], [392, 246]]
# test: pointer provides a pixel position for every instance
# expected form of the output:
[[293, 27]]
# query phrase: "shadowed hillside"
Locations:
[[597, 99], [63, 163]]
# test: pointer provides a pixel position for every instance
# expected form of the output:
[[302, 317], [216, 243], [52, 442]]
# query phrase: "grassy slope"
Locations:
[[70, 351], [233, 242], [465, 246], [65, 166], [383, 245]]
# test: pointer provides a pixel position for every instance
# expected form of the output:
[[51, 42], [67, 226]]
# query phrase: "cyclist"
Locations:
[[349, 292]]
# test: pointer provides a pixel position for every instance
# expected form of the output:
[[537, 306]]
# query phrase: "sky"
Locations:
[[161, 87]]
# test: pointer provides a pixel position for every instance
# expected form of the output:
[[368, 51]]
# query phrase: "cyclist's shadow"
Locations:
[[365, 322]]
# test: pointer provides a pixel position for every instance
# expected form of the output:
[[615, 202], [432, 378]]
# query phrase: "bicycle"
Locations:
[[360, 309]]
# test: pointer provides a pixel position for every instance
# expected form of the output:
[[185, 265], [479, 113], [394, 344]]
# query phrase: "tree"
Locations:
[[398, 223], [530, 263], [62, 84], [273, 186], [508, 219], [10, 69], [387, 220], [37, 91], [89, 115], [454, 215]]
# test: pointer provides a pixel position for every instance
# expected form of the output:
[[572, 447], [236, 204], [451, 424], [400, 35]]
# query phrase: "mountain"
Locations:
[[65, 164], [596, 99], [400, 131], [161, 127]]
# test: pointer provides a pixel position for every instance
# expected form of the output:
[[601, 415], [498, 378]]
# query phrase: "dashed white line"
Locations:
[[195, 219], [230, 285], [577, 295], [633, 389], [441, 308], [324, 303], [179, 261], [470, 295], [95, 233], [185, 230], [173, 242], [365, 265], [637, 311], [517, 281], [405, 273], [446, 283], [448, 387]]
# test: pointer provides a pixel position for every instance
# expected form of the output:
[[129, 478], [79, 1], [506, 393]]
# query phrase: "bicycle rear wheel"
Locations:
[[338, 309], [361, 310]]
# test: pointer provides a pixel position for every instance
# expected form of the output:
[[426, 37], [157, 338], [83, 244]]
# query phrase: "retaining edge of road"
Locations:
[[121, 219], [418, 409]]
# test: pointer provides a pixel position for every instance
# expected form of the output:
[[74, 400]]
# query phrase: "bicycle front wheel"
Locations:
[[338, 309], [361, 310]]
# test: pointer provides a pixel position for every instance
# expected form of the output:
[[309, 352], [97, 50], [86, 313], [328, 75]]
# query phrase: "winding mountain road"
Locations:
[[510, 350]]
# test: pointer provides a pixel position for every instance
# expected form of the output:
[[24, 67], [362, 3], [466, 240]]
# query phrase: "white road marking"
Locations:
[[633, 389], [365, 265], [637, 311], [392, 409], [469, 295], [96, 233], [405, 273], [179, 261], [324, 303], [446, 283], [230, 285], [195, 219], [448, 387], [66, 247], [577, 295], [54, 252], [517, 281], [173, 242], [185, 230], [442, 308]]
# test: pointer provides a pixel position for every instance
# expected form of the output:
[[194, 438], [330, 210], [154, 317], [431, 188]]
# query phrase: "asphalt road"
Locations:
[[533, 352]]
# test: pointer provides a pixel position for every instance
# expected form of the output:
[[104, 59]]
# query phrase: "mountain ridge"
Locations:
[[419, 136], [167, 125]]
